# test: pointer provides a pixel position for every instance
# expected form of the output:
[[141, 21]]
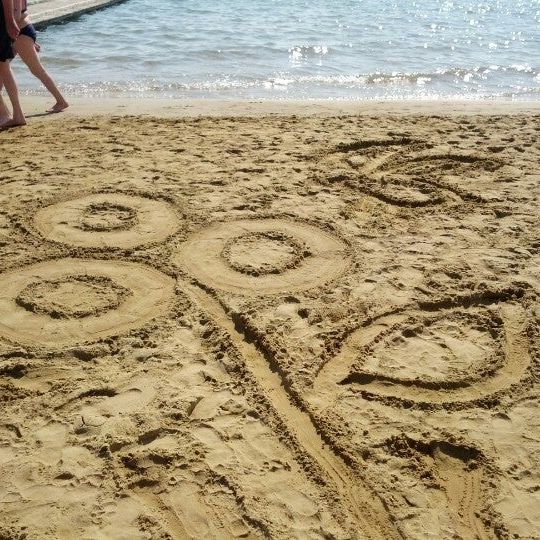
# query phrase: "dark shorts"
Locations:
[[6, 50], [29, 31]]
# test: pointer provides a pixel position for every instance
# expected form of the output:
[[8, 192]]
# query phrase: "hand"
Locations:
[[13, 29], [37, 47]]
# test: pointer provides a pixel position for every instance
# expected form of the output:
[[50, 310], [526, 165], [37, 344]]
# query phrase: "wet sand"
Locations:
[[291, 321], [179, 108]]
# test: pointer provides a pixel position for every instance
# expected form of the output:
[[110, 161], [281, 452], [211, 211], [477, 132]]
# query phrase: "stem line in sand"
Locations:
[[370, 520]]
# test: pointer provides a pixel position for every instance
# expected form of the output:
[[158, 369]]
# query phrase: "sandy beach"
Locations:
[[270, 320]]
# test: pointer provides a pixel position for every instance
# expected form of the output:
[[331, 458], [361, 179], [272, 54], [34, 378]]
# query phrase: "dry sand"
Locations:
[[271, 326]]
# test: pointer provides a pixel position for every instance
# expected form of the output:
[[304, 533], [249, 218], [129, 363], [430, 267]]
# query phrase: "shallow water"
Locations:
[[259, 49]]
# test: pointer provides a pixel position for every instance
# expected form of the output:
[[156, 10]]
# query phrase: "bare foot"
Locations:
[[12, 123], [59, 106]]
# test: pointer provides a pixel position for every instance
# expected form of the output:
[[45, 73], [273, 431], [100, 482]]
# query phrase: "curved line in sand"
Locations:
[[416, 193], [145, 221], [202, 256], [356, 498], [150, 293], [515, 349], [397, 163], [400, 161], [370, 179]]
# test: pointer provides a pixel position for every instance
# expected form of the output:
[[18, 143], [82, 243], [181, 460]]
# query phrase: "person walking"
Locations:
[[27, 48], [9, 31]]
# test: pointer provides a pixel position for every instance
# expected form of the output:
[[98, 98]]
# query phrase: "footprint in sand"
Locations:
[[107, 220], [69, 301], [263, 256]]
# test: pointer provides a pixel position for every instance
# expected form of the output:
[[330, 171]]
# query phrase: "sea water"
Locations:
[[297, 49]]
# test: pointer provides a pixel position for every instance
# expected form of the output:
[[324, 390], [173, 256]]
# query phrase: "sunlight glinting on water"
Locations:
[[352, 49]]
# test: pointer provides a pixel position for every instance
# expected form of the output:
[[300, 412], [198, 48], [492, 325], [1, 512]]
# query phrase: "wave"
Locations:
[[460, 73], [287, 86]]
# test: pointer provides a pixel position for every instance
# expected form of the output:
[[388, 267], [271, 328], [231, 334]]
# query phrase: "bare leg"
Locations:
[[6, 76], [4, 112], [25, 48]]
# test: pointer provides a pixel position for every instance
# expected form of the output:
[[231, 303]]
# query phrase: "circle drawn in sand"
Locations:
[[263, 256], [69, 301], [107, 220], [72, 296], [263, 253], [107, 216]]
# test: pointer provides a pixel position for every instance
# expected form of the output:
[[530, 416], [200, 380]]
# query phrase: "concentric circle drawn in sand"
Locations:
[[264, 256], [69, 301], [107, 220]]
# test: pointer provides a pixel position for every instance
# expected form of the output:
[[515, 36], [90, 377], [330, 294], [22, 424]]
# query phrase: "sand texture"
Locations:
[[270, 327]]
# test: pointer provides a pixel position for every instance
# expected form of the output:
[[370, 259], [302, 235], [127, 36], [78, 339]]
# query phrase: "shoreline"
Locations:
[[35, 106]]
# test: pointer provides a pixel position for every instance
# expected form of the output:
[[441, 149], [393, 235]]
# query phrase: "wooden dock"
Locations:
[[46, 12]]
